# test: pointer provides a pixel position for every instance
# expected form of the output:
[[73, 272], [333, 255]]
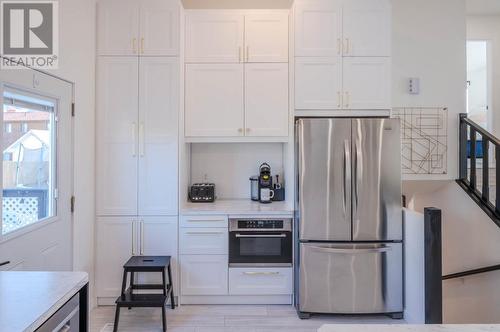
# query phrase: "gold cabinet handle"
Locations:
[[339, 99], [239, 53], [142, 45], [347, 46], [240, 130], [248, 52], [347, 99], [339, 46], [134, 48]]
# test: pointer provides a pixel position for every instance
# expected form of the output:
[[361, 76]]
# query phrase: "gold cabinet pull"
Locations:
[[134, 48], [240, 130], [239, 53], [142, 45], [339, 46], [347, 99], [347, 46], [248, 52], [339, 99]]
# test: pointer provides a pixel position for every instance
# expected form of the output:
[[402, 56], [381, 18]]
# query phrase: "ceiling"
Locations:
[[238, 4], [483, 7]]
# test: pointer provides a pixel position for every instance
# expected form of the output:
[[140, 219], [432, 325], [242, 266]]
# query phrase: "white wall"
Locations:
[[470, 240], [429, 43], [77, 64], [229, 165], [488, 28]]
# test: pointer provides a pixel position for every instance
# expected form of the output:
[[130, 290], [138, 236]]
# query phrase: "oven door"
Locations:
[[260, 248]]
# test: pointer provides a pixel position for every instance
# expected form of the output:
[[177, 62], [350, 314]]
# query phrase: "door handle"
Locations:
[[142, 144], [261, 273], [263, 235], [341, 250], [134, 140], [347, 173]]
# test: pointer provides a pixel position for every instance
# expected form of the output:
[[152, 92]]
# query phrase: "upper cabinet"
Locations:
[[234, 37], [342, 27], [214, 37], [131, 27]]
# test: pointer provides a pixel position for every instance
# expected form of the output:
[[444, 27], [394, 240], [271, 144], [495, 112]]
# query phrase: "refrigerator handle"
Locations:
[[330, 250], [347, 173], [358, 171]]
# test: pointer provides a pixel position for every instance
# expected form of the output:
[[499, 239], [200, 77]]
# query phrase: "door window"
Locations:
[[29, 160]]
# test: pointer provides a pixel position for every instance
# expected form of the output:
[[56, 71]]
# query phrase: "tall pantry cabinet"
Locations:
[[137, 99]]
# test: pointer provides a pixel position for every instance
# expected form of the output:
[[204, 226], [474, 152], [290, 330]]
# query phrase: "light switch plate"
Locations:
[[414, 85]]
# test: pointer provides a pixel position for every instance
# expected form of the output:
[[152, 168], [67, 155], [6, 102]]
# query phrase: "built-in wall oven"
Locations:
[[260, 242]]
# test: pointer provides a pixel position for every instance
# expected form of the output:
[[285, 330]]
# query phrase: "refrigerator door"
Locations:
[[376, 180], [351, 278], [323, 179]]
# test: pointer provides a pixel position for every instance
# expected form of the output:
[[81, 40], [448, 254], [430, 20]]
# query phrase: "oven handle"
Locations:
[[261, 235]]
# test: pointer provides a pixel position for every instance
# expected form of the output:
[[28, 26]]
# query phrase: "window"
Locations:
[[29, 172], [7, 128], [478, 82]]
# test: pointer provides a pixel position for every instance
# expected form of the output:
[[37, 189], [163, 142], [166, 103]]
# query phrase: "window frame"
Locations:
[[53, 212]]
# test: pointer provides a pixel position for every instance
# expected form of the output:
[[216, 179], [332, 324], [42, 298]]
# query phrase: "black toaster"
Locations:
[[202, 192]]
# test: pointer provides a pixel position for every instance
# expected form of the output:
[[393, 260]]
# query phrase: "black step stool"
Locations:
[[130, 300]]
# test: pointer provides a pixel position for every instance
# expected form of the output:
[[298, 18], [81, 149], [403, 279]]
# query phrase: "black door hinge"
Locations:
[[72, 204], [73, 109]]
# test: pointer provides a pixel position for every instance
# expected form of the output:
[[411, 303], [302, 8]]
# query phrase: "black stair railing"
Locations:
[[474, 144]]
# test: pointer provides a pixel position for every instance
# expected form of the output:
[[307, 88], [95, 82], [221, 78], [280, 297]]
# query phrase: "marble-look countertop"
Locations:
[[237, 207], [408, 328], [28, 299]]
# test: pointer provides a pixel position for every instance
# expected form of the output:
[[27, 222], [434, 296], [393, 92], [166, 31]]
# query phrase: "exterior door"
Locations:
[[158, 130], [214, 100], [159, 27], [266, 37], [37, 171], [214, 37], [324, 185], [116, 241], [266, 99], [367, 83], [117, 134], [318, 83], [318, 28], [376, 180], [367, 28], [115, 37], [351, 278]]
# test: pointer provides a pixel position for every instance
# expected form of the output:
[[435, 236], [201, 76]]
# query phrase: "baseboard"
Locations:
[[236, 299], [103, 301]]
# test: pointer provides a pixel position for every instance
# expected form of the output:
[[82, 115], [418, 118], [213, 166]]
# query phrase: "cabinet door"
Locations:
[[367, 28], [260, 281], [214, 100], [318, 83], [266, 37], [266, 99], [115, 241], [159, 27], [204, 275], [367, 83], [117, 27], [158, 129], [214, 37], [318, 27], [208, 241], [158, 236], [117, 130]]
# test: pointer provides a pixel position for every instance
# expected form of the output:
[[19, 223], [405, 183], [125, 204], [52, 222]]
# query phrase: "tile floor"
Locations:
[[221, 318]]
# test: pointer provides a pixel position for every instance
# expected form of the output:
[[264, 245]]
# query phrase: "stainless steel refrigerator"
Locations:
[[349, 255]]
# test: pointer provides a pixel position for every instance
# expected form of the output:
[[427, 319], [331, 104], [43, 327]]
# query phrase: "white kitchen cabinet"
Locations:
[[367, 83], [116, 241], [131, 27], [159, 27], [318, 27], [266, 37], [214, 100], [203, 241], [342, 27], [204, 274], [119, 238], [214, 36], [318, 83], [266, 99], [157, 134], [118, 27], [260, 281], [367, 28], [204, 221], [117, 130]]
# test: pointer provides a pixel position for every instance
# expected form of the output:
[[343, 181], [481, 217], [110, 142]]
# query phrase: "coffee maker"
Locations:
[[265, 183]]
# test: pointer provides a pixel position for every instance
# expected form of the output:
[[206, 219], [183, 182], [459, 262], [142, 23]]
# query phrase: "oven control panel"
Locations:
[[266, 224]]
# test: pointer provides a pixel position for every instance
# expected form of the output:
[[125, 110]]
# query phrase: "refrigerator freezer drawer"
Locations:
[[351, 278]]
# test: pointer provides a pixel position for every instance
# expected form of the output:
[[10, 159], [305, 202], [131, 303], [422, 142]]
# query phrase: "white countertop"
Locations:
[[28, 299], [237, 207], [408, 328]]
